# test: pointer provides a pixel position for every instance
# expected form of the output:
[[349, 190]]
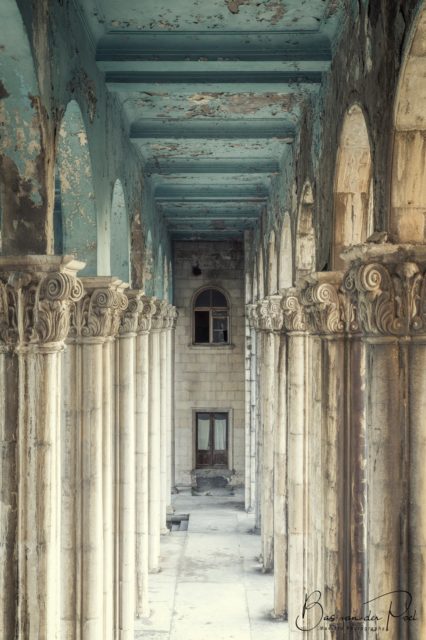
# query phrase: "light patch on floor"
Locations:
[[211, 586]]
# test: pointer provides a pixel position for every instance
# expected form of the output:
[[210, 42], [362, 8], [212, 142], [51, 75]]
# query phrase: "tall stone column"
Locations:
[[164, 419], [251, 410], [154, 445], [328, 461], [87, 480], [280, 482], [142, 428], [127, 463], [36, 294], [387, 286], [270, 321], [171, 322], [171, 377], [295, 324]]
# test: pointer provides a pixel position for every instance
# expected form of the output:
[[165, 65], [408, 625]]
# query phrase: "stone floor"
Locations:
[[211, 586]]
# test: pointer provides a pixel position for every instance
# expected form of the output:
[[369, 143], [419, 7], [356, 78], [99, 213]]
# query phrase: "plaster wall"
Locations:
[[208, 377]]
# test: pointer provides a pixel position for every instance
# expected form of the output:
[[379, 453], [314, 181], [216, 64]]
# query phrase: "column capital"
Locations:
[[97, 313], [328, 310], [387, 285], [159, 317], [130, 318], [270, 313], [294, 317], [145, 316], [36, 293]]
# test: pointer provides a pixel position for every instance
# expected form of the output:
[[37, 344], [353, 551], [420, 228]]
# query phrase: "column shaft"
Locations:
[[126, 533], [268, 419], [39, 492], [8, 491], [108, 485], [154, 452], [142, 425], [280, 482], [92, 489], [164, 430]]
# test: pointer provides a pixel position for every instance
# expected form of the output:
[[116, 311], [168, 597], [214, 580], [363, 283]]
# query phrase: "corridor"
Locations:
[[211, 586]]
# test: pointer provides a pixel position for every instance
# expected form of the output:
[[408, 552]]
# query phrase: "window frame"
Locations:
[[210, 309]]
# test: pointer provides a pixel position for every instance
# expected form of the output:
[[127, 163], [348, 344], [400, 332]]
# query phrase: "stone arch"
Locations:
[[120, 247], [272, 275], [260, 274], [305, 258], [254, 281], [159, 273], [74, 188], [165, 278], [408, 193], [285, 262], [25, 171], [148, 266], [353, 211]]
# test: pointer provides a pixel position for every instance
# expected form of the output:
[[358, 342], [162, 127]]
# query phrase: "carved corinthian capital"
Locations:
[[252, 316], [35, 300], [293, 311], [159, 318], [95, 314], [270, 313], [390, 298], [145, 316], [130, 317], [325, 306]]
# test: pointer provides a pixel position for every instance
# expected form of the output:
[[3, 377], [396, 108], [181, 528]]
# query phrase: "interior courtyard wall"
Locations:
[[209, 377]]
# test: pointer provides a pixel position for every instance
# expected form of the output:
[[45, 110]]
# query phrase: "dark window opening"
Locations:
[[211, 440], [211, 318]]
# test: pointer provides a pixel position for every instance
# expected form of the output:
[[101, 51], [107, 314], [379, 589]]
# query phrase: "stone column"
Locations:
[[141, 428], [36, 294], [172, 401], [154, 445], [164, 418], [87, 576], [251, 410], [280, 483], [172, 315], [127, 459], [386, 284], [295, 325], [266, 438]]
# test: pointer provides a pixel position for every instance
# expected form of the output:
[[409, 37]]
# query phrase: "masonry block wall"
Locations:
[[208, 377]]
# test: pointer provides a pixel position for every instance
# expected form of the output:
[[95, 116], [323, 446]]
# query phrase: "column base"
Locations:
[[164, 531], [154, 570], [282, 617]]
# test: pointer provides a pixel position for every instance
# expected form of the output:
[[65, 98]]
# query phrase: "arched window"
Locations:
[[211, 317]]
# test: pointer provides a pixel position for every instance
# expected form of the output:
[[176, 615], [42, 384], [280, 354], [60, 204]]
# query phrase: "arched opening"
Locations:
[[285, 275], [254, 281], [166, 286], [25, 167], [75, 212], [408, 192], [260, 275], [353, 219], [148, 266], [159, 274], [305, 237], [120, 247], [272, 275]]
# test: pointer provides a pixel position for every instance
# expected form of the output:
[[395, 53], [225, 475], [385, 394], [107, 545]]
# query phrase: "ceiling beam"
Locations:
[[214, 45], [125, 80], [214, 129], [230, 165]]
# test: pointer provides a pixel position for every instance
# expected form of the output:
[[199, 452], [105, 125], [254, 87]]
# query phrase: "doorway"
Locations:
[[211, 440]]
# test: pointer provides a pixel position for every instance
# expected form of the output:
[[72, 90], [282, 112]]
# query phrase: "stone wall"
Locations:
[[208, 377]]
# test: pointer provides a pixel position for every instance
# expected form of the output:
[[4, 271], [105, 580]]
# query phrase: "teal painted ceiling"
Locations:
[[213, 91]]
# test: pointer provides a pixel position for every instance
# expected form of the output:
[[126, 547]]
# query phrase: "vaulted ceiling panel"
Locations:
[[213, 92]]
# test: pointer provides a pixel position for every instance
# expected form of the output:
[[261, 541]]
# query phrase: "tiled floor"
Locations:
[[211, 586]]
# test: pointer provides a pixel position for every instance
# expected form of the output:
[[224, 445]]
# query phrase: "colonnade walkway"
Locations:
[[211, 586]]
